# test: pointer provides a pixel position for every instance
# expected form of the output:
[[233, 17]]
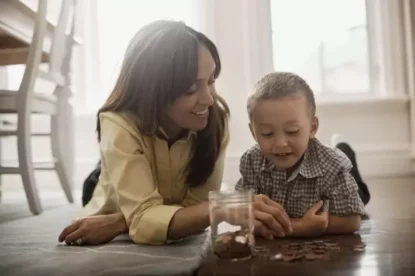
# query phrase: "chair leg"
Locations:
[[59, 159], [24, 151]]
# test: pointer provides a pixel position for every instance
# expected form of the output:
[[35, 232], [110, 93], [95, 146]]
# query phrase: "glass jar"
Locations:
[[232, 224]]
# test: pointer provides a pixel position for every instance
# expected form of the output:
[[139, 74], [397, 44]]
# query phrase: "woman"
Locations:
[[163, 133]]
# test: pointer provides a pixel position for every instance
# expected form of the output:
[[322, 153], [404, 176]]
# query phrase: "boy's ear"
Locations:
[[251, 128], [314, 126]]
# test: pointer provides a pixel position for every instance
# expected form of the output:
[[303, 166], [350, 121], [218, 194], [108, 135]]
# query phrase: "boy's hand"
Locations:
[[270, 218], [315, 222]]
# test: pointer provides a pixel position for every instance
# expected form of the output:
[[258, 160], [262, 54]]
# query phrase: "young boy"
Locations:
[[311, 181]]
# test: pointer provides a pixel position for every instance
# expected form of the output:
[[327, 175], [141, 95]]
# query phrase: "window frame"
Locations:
[[386, 60]]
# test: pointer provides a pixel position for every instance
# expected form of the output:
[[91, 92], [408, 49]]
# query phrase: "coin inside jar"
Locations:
[[232, 245]]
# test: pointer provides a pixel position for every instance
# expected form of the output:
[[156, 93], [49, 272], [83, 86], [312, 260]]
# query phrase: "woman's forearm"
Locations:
[[185, 222], [188, 221], [120, 223]]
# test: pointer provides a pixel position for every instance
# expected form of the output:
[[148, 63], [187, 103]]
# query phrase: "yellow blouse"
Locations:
[[144, 179]]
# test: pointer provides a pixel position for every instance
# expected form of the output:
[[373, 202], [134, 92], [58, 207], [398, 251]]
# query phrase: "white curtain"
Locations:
[[241, 29], [394, 46], [409, 23], [113, 24]]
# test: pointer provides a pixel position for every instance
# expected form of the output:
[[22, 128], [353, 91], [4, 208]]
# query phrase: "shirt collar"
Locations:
[[190, 133], [308, 168], [266, 165]]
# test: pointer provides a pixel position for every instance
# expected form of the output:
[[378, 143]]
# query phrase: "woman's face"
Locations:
[[191, 110]]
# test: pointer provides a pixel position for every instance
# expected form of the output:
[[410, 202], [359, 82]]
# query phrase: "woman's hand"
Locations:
[[94, 230], [270, 218]]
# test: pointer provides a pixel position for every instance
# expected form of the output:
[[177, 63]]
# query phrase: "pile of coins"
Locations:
[[236, 245], [232, 245], [306, 251]]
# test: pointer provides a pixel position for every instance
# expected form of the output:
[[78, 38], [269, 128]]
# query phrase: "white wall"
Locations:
[[378, 129]]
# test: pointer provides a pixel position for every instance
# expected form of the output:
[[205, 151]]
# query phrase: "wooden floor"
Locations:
[[389, 235]]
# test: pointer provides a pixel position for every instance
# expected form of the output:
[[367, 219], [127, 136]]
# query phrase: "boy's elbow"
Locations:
[[343, 225], [352, 224], [355, 223]]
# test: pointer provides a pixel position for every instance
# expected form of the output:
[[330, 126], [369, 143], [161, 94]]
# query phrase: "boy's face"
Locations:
[[282, 128]]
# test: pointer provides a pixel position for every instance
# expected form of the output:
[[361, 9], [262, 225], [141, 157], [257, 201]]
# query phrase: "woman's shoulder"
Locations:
[[118, 121], [119, 130]]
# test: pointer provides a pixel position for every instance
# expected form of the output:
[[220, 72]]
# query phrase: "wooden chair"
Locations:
[[27, 100]]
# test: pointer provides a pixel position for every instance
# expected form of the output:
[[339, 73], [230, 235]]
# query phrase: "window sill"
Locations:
[[360, 100]]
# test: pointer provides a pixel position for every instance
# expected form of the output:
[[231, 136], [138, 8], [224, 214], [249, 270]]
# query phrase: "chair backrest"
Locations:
[[34, 56], [61, 45]]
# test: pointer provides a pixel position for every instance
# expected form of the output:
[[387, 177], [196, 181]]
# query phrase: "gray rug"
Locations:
[[29, 246]]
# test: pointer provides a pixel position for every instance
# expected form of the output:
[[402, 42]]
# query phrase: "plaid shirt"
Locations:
[[324, 174]]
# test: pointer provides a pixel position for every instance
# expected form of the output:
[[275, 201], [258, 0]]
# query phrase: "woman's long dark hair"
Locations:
[[160, 65]]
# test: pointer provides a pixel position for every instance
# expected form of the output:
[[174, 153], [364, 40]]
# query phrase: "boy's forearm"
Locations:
[[336, 225], [298, 226], [303, 229], [343, 225]]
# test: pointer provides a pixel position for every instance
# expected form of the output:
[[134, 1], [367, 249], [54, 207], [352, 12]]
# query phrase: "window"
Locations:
[[325, 42], [118, 21]]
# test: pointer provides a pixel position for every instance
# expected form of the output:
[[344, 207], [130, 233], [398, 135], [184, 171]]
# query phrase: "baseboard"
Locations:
[[374, 161]]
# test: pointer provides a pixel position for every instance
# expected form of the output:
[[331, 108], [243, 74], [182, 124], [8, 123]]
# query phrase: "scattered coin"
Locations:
[[277, 257], [360, 247], [309, 250], [289, 257], [261, 249], [319, 251], [299, 255], [311, 256]]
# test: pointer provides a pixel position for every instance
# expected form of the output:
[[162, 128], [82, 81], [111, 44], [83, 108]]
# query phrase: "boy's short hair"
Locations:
[[278, 85]]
